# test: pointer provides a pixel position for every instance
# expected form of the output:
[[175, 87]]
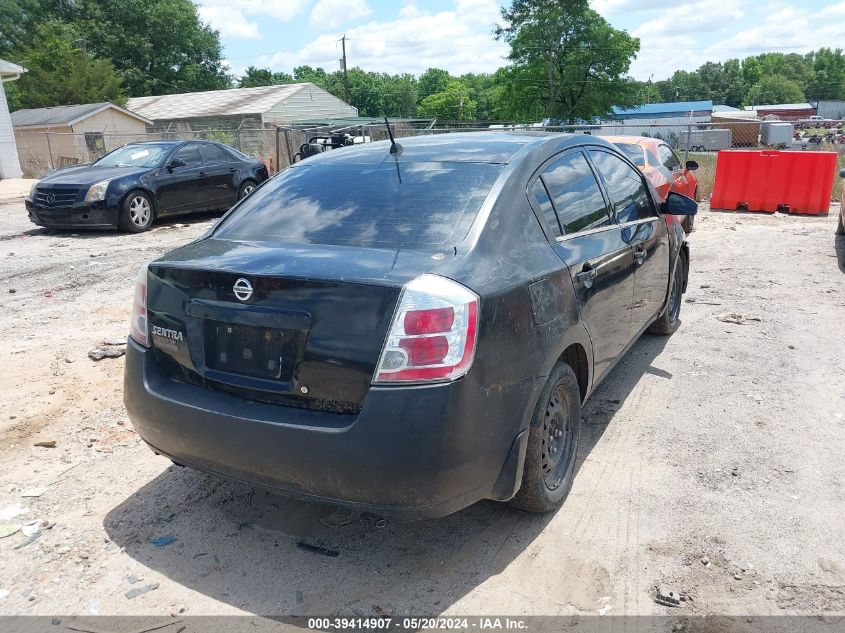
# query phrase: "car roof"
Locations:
[[476, 147], [643, 141]]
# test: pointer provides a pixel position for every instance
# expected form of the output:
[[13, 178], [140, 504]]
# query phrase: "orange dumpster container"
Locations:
[[769, 181]]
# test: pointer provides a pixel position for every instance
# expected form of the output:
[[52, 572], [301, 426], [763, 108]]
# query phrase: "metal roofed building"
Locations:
[[48, 138], [241, 107], [679, 110]]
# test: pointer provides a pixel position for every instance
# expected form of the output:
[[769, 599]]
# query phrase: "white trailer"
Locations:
[[777, 134], [708, 140]]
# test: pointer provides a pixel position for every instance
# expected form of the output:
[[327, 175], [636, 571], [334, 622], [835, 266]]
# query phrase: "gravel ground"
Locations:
[[711, 461]]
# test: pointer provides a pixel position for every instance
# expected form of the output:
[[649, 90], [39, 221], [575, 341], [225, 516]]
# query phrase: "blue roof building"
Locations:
[[665, 110]]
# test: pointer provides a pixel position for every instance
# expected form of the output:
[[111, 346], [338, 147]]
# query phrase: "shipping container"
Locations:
[[709, 140]]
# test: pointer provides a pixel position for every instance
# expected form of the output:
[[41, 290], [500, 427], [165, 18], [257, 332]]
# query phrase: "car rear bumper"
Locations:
[[411, 453], [101, 214]]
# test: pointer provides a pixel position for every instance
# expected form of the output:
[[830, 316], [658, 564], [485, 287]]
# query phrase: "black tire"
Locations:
[[840, 229], [548, 474], [136, 213], [670, 318], [247, 187]]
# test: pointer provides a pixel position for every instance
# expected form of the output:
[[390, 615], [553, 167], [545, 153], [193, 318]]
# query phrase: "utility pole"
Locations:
[[345, 74]]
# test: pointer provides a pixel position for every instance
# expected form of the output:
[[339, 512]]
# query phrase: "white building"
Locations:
[[9, 165], [241, 107]]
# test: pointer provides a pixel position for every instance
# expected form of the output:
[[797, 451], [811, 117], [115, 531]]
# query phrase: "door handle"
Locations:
[[587, 275], [639, 254]]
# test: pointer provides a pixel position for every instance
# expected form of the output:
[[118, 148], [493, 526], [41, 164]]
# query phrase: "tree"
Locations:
[[453, 103], [568, 56], [254, 77], [61, 73], [157, 46], [432, 81], [828, 75], [773, 89]]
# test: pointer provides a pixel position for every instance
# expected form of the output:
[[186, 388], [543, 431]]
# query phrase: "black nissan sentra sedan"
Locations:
[[407, 331], [138, 183]]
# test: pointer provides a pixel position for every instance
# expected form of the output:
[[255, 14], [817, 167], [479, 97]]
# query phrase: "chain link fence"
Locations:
[[280, 146]]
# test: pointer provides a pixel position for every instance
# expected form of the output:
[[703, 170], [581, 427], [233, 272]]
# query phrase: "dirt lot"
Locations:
[[711, 461]]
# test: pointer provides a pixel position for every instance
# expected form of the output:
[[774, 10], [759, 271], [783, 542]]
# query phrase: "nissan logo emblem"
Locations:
[[242, 289], [51, 198]]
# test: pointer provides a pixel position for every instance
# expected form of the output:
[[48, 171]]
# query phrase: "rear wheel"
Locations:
[[552, 444], [247, 188], [670, 319], [136, 213]]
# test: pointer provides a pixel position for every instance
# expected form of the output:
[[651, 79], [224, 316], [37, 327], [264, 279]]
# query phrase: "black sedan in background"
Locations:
[[133, 185], [407, 329]]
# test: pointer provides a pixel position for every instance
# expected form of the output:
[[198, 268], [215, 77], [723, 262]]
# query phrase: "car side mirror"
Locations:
[[678, 204], [842, 173], [174, 163], [692, 165]]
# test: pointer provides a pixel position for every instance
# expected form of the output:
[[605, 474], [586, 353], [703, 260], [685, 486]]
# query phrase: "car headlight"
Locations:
[[32, 189], [97, 191]]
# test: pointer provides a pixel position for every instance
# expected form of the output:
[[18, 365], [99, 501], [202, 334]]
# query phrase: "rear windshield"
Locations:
[[424, 204], [633, 152]]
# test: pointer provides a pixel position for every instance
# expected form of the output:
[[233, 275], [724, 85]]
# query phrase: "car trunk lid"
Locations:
[[301, 325]]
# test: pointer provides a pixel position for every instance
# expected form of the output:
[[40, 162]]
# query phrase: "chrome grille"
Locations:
[[53, 198]]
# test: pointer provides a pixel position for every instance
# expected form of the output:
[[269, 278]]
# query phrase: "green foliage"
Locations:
[[452, 103], [155, 46], [566, 61], [816, 75], [432, 81], [60, 73], [254, 77], [775, 89]]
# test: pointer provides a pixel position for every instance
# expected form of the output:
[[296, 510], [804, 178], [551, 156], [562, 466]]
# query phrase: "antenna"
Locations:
[[395, 148]]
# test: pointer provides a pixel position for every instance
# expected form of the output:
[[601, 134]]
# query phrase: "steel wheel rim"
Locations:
[[248, 189], [675, 296], [139, 211], [557, 443]]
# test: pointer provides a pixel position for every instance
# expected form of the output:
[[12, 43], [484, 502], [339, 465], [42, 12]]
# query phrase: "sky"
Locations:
[[409, 36]]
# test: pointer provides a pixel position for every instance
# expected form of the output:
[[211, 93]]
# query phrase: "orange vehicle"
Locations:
[[661, 166]]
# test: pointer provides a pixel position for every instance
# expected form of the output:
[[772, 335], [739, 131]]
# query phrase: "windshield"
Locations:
[[633, 152], [146, 155], [425, 204]]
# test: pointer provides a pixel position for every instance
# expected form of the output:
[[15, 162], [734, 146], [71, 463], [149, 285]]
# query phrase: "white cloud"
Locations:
[[614, 7], [331, 14], [833, 10], [230, 16], [459, 40], [230, 23]]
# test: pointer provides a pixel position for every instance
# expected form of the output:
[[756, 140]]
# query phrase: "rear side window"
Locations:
[[212, 154], [422, 204], [544, 204], [576, 194], [668, 158], [634, 152], [625, 186], [190, 154]]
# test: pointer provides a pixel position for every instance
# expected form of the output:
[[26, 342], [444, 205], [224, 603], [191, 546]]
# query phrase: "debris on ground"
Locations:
[[33, 492], [31, 528], [318, 549], [10, 512], [705, 561], [134, 593], [114, 342], [46, 444], [667, 597], [736, 318], [99, 353], [7, 529], [163, 541]]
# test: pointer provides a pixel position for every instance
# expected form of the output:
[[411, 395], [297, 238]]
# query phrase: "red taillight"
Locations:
[[429, 321], [138, 329], [433, 334]]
